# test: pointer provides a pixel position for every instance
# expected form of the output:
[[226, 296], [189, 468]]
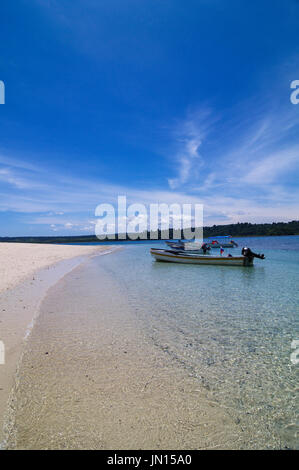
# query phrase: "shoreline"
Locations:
[[105, 368], [91, 378], [63, 240], [18, 261], [27, 275]]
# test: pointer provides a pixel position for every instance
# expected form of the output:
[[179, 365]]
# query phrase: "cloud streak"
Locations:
[[251, 166], [240, 171], [189, 135]]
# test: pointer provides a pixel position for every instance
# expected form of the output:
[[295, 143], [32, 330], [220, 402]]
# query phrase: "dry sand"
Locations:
[[27, 271], [19, 260]]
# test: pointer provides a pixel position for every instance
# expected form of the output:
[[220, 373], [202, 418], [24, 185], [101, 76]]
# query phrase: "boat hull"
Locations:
[[163, 255]]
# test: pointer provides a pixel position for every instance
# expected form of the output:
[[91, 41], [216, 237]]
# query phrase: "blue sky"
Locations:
[[161, 101]]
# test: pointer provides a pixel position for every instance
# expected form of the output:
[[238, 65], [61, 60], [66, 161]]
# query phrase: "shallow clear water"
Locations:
[[131, 353], [230, 327]]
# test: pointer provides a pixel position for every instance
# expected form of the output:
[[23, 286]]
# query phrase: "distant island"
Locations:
[[235, 230]]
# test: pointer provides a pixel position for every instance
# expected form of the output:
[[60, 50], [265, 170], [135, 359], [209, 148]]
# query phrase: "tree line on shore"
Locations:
[[244, 229]]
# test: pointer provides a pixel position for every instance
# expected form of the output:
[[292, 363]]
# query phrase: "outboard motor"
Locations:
[[250, 255]]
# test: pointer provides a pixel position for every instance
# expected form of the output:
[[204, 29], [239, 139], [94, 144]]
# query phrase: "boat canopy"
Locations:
[[219, 236], [184, 240]]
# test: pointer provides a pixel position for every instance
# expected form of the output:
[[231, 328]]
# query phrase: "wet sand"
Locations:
[[27, 271], [90, 378]]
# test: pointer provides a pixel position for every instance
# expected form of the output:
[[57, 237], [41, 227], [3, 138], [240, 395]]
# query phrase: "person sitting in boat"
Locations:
[[205, 248]]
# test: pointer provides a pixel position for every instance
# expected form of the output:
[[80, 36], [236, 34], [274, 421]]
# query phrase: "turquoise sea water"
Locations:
[[231, 327]]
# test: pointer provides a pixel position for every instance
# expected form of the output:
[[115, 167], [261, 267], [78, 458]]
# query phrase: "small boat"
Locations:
[[191, 246], [221, 242], [174, 256]]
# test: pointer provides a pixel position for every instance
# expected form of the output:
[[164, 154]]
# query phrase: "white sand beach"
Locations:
[[91, 378], [92, 361], [27, 271], [19, 260]]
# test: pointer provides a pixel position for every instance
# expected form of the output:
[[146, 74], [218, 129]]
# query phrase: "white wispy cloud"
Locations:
[[67, 204], [239, 171], [273, 167], [189, 136], [254, 159]]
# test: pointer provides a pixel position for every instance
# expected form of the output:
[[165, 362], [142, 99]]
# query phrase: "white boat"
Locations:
[[174, 256], [188, 246], [181, 257], [196, 246]]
